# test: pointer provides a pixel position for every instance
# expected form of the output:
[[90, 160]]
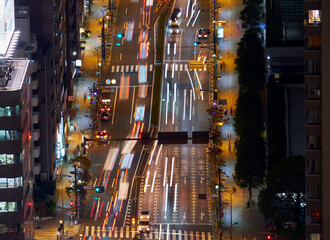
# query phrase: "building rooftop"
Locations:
[[12, 73]]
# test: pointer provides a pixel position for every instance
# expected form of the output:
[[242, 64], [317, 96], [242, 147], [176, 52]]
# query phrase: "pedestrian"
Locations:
[[75, 126], [231, 111], [221, 67], [225, 111]]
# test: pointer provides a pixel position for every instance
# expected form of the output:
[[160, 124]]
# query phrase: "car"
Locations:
[[143, 35], [102, 135], [129, 30], [203, 33], [144, 50], [142, 74], [105, 116], [176, 14], [139, 113], [145, 214], [144, 225], [139, 236], [174, 27]]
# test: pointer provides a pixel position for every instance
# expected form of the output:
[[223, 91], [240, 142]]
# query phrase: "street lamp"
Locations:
[[231, 213]]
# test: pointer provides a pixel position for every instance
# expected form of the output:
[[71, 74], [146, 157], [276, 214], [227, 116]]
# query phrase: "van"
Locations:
[[142, 78]]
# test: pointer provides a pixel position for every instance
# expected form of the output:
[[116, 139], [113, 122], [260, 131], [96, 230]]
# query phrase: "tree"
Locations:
[[249, 112], [250, 165], [250, 16], [284, 194], [250, 61], [82, 161]]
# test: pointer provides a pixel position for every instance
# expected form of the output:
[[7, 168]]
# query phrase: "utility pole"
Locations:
[[75, 188]]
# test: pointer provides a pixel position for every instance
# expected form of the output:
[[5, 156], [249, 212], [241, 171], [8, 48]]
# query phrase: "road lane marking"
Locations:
[[117, 68], [86, 230], [173, 234], [196, 18], [174, 48], [115, 234], [136, 68], [127, 231], [168, 49], [175, 197], [180, 235], [203, 235], [185, 235], [173, 68], [126, 11], [94, 182], [120, 56], [121, 235], [176, 67], [98, 233], [150, 67], [127, 68], [168, 232], [159, 150], [209, 236], [114, 106], [166, 68], [92, 230], [160, 232], [173, 111], [181, 67], [132, 68], [166, 200], [112, 69]]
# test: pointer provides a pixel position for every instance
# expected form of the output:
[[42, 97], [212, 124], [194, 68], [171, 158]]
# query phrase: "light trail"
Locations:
[[173, 66], [146, 183], [175, 197], [184, 104], [172, 168], [174, 48], [166, 197], [159, 150], [168, 49], [164, 182], [199, 83], [196, 18], [166, 68], [190, 105], [152, 152], [192, 84]]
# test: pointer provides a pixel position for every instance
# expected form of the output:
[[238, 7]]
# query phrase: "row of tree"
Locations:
[[249, 116]]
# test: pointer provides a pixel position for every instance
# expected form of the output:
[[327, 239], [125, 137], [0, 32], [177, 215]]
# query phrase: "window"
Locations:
[[2, 159], [315, 215], [11, 182], [315, 190], [17, 110], [314, 116], [314, 16], [2, 135], [10, 158], [10, 206], [314, 236], [3, 182], [313, 67], [19, 182], [314, 41], [3, 206], [9, 111], [2, 111], [10, 135]]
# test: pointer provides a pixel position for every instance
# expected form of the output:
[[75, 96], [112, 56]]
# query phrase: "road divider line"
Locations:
[[173, 111], [173, 68], [196, 18], [132, 107], [166, 68], [166, 201], [159, 150], [168, 48], [174, 48], [160, 232], [190, 105], [175, 197], [168, 232]]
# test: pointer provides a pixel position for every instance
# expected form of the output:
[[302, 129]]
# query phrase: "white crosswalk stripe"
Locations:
[[112, 68], [150, 67], [98, 233], [127, 68], [117, 68], [181, 67], [136, 68], [132, 68], [176, 67], [122, 68], [128, 233], [180, 235]]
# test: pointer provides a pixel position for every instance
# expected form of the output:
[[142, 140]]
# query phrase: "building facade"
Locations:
[[317, 128], [16, 163]]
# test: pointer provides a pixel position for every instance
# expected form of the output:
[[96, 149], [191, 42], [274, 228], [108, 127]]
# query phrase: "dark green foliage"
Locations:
[[51, 208], [251, 61], [286, 176], [250, 16], [249, 112], [250, 165], [276, 124]]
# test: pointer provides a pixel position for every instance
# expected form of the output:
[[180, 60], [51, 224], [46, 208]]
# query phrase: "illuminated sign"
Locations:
[[7, 24]]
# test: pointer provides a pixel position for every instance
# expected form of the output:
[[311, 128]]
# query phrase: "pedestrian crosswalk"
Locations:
[[129, 233], [179, 67]]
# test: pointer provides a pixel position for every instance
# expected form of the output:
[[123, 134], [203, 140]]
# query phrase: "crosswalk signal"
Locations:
[[71, 204], [269, 237], [99, 189]]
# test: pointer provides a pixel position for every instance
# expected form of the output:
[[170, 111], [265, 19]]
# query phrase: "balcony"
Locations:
[[36, 135], [36, 168], [36, 151], [34, 83], [35, 100], [35, 118]]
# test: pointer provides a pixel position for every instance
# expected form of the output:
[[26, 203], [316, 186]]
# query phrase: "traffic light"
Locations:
[[133, 221], [197, 43], [120, 35], [99, 189], [71, 204]]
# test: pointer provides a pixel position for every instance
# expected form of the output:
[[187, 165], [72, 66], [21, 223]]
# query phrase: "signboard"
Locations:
[[220, 33], [7, 24], [211, 195], [87, 187], [195, 65]]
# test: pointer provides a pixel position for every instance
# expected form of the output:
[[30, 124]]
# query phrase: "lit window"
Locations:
[[2, 111], [11, 206], [3, 206], [19, 182], [3, 182], [10, 158], [9, 111], [314, 16], [11, 182], [2, 159]]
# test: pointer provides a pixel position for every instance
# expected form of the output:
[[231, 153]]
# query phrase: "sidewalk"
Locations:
[[247, 222]]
